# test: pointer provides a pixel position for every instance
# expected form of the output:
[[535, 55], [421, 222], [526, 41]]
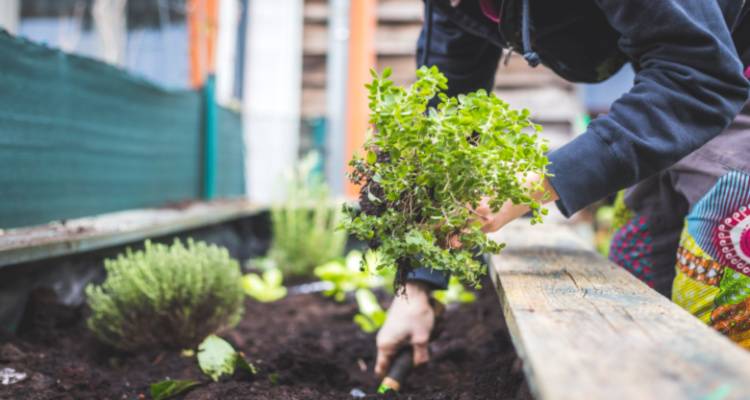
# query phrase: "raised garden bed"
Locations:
[[305, 346]]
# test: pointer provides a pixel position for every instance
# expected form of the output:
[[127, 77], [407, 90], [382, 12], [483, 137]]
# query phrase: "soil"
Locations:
[[305, 346]]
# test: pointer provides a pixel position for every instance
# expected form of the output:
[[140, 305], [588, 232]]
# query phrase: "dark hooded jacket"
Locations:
[[690, 58]]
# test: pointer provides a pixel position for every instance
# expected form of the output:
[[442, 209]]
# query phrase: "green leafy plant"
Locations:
[[425, 168], [353, 272], [216, 357], [266, 287], [455, 293], [305, 225], [166, 296], [370, 316]]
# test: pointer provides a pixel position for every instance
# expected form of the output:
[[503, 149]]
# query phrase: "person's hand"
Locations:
[[410, 320], [493, 221]]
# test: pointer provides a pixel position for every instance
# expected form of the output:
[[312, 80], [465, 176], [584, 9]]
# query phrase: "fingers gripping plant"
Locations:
[[166, 296], [425, 168]]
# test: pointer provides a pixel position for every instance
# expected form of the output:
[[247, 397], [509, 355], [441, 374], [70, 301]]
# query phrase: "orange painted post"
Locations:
[[202, 30], [362, 26]]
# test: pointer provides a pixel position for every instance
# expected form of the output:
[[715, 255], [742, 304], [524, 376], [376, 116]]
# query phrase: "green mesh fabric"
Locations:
[[79, 137]]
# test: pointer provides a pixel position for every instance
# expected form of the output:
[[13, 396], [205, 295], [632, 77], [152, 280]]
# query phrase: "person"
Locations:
[[680, 139]]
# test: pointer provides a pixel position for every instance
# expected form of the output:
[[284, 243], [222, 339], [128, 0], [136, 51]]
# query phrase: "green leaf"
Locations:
[[364, 323], [169, 388], [242, 363], [216, 357], [367, 302], [265, 288], [455, 293], [372, 158], [371, 316]]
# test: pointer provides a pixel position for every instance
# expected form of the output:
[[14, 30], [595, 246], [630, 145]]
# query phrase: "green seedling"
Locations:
[[266, 287], [351, 273], [456, 293], [216, 358], [305, 225], [425, 169], [370, 316]]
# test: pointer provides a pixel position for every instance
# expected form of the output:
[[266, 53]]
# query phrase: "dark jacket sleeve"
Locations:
[[688, 87], [469, 62]]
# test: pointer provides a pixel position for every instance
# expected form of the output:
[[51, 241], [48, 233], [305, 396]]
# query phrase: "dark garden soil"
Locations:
[[305, 346]]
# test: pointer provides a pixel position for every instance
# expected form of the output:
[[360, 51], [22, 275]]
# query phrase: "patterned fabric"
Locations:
[[631, 248], [713, 261], [701, 269]]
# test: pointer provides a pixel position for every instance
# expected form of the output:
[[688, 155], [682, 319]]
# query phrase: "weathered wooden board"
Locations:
[[91, 233], [586, 329]]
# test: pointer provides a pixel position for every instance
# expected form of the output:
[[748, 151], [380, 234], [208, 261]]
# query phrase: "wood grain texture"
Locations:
[[587, 329]]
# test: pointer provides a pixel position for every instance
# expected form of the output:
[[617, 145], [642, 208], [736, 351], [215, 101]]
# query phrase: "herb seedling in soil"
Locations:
[[425, 168]]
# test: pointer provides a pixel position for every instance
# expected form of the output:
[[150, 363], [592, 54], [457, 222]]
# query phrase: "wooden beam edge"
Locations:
[[120, 228]]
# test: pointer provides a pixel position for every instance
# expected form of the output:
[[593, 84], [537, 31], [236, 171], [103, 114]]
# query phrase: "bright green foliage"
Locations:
[[424, 167], [455, 293], [267, 287], [370, 316], [216, 357], [169, 388], [166, 296], [622, 214], [305, 226], [352, 273]]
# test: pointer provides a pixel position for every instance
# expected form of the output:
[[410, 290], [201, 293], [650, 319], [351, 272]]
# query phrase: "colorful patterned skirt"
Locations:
[[713, 261]]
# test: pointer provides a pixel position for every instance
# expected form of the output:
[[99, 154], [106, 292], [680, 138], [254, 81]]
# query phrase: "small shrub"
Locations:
[[166, 296], [305, 226]]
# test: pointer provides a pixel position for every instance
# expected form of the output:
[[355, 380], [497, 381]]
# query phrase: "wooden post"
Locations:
[[10, 14], [202, 29], [363, 23], [272, 91], [337, 65], [111, 28], [226, 57]]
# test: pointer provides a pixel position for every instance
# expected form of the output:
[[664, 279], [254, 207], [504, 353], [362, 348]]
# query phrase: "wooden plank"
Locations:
[[545, 103], [388, 12], [273, 95], [390, 39], [586, 329], [91, 233]]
